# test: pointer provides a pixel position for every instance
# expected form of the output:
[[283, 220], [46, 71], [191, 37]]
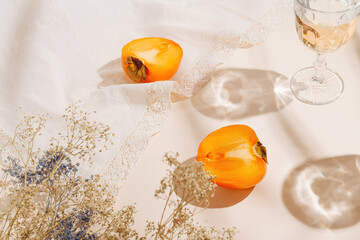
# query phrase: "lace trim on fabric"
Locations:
[[120, 167], [159, 94], [228, 42], [118, 170]]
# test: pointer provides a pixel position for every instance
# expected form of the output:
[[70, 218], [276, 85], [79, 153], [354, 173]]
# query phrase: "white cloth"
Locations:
[[53, 52]]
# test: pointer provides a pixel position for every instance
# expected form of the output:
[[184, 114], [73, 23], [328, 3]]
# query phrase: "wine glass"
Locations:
[[322, 25]]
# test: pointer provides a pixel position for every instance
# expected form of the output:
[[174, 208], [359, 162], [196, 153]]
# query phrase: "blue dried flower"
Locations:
[[45, 167], [75, 227]]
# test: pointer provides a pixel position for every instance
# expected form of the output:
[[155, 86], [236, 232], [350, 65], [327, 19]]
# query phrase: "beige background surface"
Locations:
[[46, 47], [294, 136]]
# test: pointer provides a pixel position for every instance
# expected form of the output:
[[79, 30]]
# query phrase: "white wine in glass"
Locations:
[[325, 38], [324, 26]]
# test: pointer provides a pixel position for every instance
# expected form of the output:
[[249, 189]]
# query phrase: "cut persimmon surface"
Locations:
[[235, 156], [151, 59]]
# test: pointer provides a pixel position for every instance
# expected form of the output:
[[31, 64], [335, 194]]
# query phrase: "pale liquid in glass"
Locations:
[[324, 38]]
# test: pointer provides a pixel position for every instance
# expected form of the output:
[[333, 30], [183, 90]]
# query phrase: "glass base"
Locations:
[[311, 91]]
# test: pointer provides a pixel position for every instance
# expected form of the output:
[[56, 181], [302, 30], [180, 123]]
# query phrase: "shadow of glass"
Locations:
[[222, 198], [235, 93], [356, 41], [112, 74], [325, 193]]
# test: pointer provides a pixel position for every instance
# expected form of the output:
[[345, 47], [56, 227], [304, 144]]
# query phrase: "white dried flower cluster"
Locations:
[[82, 135], [42, 196], [193, 184]]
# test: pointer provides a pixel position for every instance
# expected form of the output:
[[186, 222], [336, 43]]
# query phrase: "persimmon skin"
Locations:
[[235, 156], [160, 56]]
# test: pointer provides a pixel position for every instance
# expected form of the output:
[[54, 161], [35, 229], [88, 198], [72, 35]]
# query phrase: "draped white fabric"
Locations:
[[53, 52]]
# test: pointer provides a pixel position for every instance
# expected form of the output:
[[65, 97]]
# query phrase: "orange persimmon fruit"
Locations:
[[151, 59], [235, 156]]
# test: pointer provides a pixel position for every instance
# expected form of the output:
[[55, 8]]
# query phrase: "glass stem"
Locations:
[[319, 66]]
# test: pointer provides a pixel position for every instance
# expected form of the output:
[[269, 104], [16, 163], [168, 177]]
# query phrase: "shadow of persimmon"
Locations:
[[222, 198], [235, 93], [325, 193], [113, 74]]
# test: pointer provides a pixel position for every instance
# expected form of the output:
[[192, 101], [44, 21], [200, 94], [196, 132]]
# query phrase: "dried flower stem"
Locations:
[[47, 199]]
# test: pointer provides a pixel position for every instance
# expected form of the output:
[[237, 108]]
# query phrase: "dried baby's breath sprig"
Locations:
[[82, 135], [42, 195], [194, 185], [197, 231]]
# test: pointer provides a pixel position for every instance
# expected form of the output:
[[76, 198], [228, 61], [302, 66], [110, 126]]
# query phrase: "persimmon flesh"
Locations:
[[235, 156], [151, 59]]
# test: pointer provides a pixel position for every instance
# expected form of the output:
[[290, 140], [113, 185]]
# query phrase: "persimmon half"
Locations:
[[235, 156], [151, 59]]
